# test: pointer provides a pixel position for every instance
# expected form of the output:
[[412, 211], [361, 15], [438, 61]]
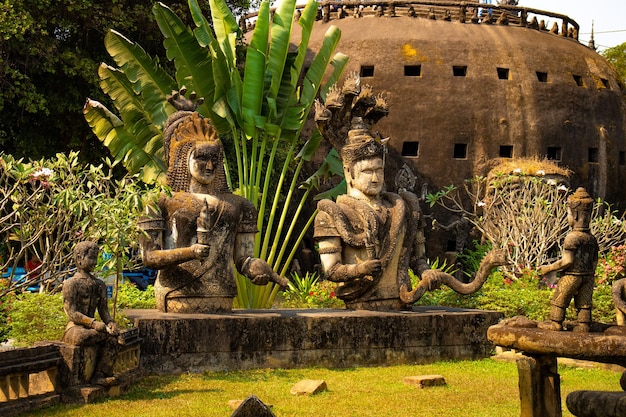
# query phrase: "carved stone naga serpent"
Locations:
[[433, 278]]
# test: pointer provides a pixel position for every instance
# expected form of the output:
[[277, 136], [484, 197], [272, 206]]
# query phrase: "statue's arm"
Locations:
[[162, 258], [108, 325], [567, 260], [103, 308], [151, 241], [330, 256]]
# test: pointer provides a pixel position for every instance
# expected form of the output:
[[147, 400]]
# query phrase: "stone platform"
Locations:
[[292, 338]]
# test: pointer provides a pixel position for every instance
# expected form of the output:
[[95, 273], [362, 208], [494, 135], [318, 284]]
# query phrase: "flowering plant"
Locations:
[[611, 266], [310, 292]]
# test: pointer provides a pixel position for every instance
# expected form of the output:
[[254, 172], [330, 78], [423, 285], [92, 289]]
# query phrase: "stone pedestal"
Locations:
[[539, 381], [79, 363], [292, 338]]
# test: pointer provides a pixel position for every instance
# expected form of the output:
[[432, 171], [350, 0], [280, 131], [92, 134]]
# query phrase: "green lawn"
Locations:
[[485, 388]]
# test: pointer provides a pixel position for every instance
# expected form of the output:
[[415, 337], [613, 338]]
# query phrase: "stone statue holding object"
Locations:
[[369, 238], [83, 295], [199, 234], [577, 265]]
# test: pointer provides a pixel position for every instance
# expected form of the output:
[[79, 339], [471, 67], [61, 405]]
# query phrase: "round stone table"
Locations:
[[539, 381]]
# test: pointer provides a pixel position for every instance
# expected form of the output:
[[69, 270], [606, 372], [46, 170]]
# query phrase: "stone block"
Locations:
[[79, 364], [83, 394], [292, 338], [423, 381], [309, 387], [252, 407]]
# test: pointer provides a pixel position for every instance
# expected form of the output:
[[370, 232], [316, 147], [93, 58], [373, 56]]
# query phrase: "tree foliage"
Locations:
[[49, 55], [617, 57]]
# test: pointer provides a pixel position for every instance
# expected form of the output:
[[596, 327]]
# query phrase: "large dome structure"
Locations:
[[468, 86]]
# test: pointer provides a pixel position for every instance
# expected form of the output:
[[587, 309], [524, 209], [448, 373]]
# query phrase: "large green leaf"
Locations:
[[315, 74], [112, 132], [193, 62], [226, 28], [148, 78], [282, 23], [137, 123], [254, 72]]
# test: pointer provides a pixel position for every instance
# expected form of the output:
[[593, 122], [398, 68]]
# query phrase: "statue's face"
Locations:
[[368, 176], [89, 260], [203, 164]]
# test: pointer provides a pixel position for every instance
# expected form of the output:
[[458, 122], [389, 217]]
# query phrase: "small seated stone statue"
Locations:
[[577, 265], [195, 236], [83, 295]]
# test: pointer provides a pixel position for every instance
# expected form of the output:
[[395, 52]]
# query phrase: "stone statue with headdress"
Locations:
[[199, 234], [369, 238], [577, 266]]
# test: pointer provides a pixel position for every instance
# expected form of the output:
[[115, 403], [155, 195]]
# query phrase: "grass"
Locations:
[[485, 388]]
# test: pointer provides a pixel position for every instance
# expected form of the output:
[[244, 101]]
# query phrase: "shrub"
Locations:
[[37, 317], [309, 292], [611, 266], [129, 296], [6, 303]]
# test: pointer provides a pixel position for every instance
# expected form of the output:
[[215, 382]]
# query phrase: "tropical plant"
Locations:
[[300, 287], [608, 226], [260, 113], [46, 206], [309, 292]]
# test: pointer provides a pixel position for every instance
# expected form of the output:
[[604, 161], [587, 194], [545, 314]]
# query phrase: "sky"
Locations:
[[608, 17]]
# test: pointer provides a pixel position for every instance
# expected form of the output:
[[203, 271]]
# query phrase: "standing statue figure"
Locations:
[[368, 239], [196, 236], [83, 295], [577, 264]]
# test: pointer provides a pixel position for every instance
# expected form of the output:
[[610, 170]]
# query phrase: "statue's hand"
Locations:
[[371, 267], [542, 270], [200, 251], [113, 329], [258, 271], [99, 326], [432, 279]]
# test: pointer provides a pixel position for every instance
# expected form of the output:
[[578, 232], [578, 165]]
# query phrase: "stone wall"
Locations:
[[245, 339]]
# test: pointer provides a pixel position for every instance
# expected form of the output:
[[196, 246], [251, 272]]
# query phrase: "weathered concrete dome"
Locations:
[[462, 95]]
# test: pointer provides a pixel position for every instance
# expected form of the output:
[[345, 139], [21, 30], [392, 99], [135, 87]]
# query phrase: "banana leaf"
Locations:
[[147, 77]]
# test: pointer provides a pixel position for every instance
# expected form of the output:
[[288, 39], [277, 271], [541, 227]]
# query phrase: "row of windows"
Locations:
[[461, 71], [411, 149]]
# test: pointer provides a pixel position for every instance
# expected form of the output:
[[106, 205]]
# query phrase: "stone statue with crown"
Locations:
[[199, 234], [577, 266], [369, 238]]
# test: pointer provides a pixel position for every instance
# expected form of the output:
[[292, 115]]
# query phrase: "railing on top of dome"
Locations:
[[459, 11]]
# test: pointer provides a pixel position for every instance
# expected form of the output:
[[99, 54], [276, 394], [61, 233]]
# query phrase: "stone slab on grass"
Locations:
[[423, 381], [309, 387], [251, 407]]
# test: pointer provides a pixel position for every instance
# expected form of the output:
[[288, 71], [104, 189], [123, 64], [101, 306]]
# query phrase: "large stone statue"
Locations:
[[368, 239], [83, 295], [196, 236], [577, 264]]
